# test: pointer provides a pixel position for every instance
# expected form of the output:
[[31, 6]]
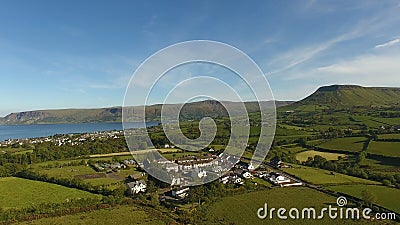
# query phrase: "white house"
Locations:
[[180, 192], [247, 175], [279, 179], [224, 179], [251, 167], [137, 186]]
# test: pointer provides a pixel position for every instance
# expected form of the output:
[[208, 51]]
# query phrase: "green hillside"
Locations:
[[344, 96]]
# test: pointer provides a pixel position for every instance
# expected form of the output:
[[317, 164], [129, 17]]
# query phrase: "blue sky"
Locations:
[[81, 54]]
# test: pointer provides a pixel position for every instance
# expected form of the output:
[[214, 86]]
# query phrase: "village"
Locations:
[[205, 165], [64, 139]]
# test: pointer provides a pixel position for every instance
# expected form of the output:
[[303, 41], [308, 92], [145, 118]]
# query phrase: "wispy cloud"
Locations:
[[295, 57], [389, 43], [369, 70], [311, 53]]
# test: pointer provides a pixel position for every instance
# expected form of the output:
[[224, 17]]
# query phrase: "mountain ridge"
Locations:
[[194, 110], [331, 97]]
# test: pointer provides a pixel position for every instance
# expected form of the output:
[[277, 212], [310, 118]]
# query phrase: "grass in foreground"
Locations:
[[242, 209], [324, 177], [18, 193], [386, 196], [117, 215]]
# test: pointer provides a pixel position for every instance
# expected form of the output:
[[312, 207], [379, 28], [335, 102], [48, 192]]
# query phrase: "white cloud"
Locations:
[[378, 69], [389, 43]]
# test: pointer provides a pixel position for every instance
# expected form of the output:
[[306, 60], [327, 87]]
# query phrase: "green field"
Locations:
[[67, 171], [303, 156], [117, 215], [18, 192], [349, 144], [324, 177], [112, 181], [242, 209], [384, 148], [388, 121], [384, 165], [386, 196], [389, 136], [291, 149], [368, 121], [12, 150], [291, 127]]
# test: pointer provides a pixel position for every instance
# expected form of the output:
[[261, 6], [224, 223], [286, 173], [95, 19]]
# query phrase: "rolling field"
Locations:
[[384, 148], [110, 183], [117, 215], [386, 196], [368, 121], [388, 121], [112, 180], [390, 166], [14, 150], [242, 209], [389, 136], [349, 144], [303, 156], [292, 149], [324, 177], [18, 192], [67, 171]]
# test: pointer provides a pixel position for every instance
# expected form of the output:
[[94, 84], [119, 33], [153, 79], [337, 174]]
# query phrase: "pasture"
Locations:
[[89, 175], [389, 136], [386, 196], [384, 148], [303, 156], [348, 144], [18, 193], [67, 171], [324, 177]]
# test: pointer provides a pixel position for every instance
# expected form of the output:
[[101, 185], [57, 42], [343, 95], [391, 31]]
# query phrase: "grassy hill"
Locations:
[[344, 96]]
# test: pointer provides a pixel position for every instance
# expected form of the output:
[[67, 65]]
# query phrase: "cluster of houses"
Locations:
[[212, 162], [64, 139], [136, 187]]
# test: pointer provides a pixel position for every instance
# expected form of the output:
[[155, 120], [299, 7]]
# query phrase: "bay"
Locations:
[[44, 130]]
